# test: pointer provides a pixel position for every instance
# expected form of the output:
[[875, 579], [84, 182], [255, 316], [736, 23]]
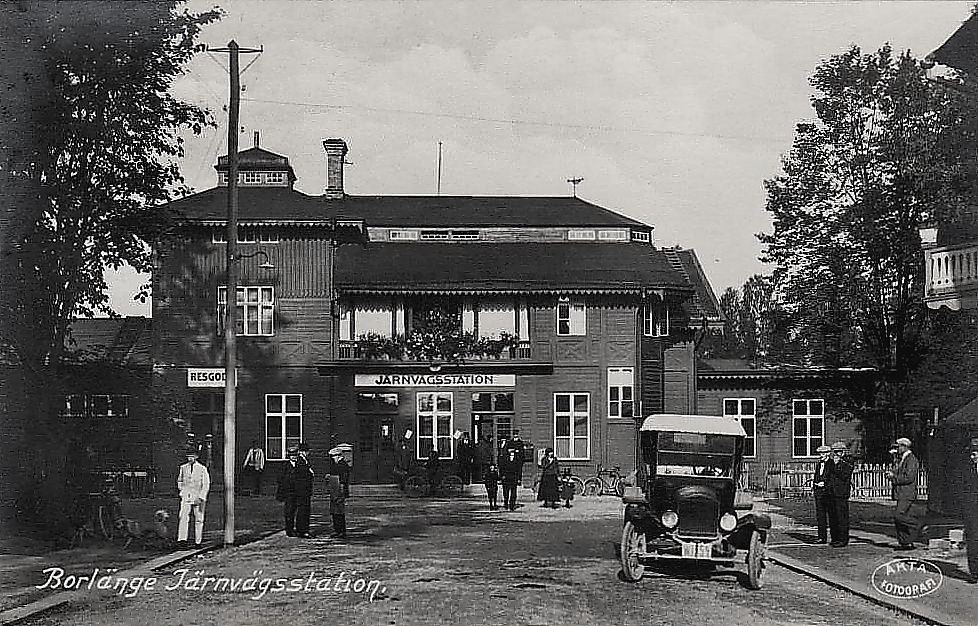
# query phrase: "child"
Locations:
[[567, 488], [491, 479]]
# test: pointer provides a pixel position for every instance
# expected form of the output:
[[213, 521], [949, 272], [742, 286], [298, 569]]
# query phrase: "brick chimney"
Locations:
[[335, 155]]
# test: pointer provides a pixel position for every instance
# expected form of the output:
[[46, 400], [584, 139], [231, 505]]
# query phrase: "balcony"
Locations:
[[951, 276], [357, 351]]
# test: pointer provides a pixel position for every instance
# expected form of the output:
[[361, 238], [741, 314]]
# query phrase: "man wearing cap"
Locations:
[[820, 489], [840, 488], [193, 484], [904, 479], [303, 491], [970, 512], [337, 492], [286, 490]]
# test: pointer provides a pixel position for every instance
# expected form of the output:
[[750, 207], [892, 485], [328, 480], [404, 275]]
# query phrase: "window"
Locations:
[[434, 234], [377, 403], [96, 406], [246, 235], [571, 318], [74, 406], [283, 423], [572, 429], [580, 235], [613, 235], [403, 235], [492, 416], [435, 424], [807, 426], [256, 308], [381, 316], [656, 318], [641, 236], [621, 394], [275, 178], [745, 410], [251, 178], [465, 234]]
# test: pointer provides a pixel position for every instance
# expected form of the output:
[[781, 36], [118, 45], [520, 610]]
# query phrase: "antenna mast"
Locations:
[[575, 182], [438, 180]]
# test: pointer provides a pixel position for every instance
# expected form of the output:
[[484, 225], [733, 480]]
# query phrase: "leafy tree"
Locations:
[[96, 148]]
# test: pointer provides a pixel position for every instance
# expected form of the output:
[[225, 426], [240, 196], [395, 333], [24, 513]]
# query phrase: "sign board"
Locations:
[[207, 377], [435, 380]]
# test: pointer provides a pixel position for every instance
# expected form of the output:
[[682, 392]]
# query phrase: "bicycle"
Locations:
[[448, 485], [597, 485], [102, 517], [578, 483]]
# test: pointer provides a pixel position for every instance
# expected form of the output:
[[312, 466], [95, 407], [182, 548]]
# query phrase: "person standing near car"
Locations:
[[821, 493], [303, 491], [904, 491], [840, 479]]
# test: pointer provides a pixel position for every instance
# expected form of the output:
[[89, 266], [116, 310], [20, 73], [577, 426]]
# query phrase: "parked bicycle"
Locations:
[[577, 480], [605, 482], [448, 485], [102, 516]]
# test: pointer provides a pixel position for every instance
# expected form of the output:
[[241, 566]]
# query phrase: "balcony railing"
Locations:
[[951, 276], [350, 350]]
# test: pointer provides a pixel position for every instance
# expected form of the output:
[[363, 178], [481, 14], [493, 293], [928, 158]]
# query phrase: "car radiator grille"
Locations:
[[698, 517]]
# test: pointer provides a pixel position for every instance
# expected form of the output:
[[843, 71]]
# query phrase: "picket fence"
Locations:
[[869, 481]]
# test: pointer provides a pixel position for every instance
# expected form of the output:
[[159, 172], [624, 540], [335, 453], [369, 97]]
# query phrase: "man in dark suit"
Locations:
[[303, 491], [510, 467], [970, 502], [904, 479], [286, 491], [515, 444], [840, 479], [820, 490]]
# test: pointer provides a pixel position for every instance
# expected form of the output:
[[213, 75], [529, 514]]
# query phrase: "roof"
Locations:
[[694, 424], [256, 159], [739, 373], [123, 340], [504, 267], [704, 305], [960, 51], [285, 205], [965, 416]]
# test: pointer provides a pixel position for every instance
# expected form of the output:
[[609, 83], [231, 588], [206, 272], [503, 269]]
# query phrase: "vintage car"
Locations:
[[686, 505]]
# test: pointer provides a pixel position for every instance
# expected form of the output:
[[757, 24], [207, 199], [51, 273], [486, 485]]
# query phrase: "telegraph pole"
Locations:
[[231, 292]]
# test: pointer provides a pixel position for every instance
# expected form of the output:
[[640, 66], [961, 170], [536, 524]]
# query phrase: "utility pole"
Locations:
[[231, 291]]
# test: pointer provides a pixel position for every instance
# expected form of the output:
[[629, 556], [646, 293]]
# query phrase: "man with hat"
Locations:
[[970, 512], [193, 484], [840, 488], [904, 491], [303, 491], [820, 489], [338, 493], [286, 490]]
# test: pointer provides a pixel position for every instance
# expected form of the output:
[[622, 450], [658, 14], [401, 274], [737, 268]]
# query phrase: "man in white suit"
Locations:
[[193, 483]]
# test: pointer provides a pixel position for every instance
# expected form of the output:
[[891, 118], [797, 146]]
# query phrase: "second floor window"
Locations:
[[621, 395], [656, 318], [571, 318], [96, 405], [256, 310]]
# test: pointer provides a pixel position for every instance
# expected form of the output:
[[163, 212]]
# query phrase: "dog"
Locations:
[[157, 537]]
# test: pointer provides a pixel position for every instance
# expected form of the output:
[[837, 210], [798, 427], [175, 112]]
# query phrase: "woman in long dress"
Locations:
[[549, 492]]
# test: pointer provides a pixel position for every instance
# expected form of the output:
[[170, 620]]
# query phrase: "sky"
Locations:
[[673, 113]]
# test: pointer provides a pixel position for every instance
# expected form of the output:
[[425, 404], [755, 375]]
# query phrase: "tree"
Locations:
[[856, 184], [97, 153]]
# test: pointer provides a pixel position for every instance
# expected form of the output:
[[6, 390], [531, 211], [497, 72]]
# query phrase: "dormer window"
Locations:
[[581, 235], [250, 234], [643, 237]]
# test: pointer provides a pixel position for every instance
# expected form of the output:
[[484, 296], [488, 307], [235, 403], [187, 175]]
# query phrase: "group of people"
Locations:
[[295, 485], [507, 471], [832, 487], [554, 486]]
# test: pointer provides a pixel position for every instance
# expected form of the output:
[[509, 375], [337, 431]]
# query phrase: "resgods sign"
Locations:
[[207, 377]]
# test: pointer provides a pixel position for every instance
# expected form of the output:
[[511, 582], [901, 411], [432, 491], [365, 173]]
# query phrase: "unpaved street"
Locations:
[[454, 562]]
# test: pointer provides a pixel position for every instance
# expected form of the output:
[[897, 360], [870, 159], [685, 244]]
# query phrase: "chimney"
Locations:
[[256, 138], [335, 155]]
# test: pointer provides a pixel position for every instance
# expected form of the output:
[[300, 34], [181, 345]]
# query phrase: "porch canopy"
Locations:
[[706, 424], [505, 267]]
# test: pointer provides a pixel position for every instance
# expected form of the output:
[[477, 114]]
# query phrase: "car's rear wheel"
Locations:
[[755, 561], [592, 487], [632, 545]]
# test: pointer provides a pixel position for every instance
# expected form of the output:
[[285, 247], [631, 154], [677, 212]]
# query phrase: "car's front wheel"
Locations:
[[755, 561], [632, 545]]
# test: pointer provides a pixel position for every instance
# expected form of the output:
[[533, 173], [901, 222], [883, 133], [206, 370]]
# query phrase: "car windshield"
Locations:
[[689, 454]]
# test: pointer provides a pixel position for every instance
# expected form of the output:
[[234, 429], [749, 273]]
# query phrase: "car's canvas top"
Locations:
[[694, 424]]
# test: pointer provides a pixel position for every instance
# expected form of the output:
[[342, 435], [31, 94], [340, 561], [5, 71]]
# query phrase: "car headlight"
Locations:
[[670, 519], [728, 522]]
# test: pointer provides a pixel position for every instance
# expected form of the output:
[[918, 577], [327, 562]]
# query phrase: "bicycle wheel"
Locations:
[[451, 485], [578, 484], [416, 486], [619, 487], [592, 487]]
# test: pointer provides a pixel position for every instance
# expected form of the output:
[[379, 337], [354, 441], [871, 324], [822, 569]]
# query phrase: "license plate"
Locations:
[[697, 550]]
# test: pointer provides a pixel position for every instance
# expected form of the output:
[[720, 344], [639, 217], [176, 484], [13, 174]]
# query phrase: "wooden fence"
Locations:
[[869, 482]]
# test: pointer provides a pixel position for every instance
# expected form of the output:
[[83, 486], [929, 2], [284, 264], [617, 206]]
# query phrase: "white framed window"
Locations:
[[75, 406], [246, 235], [807, 426], [621, 392], [571, 318], [435, 234], [379, 316], [613, 235], [745, 411], [283, 423], [466, 234], [638, 235], [275, 178], [256, 310], [252, 178], [435, 424], [403, 235], [107, 406], [572, 425], [655, 321], [581, 235]]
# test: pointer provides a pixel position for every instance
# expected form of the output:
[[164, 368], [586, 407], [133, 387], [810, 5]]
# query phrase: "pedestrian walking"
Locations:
[[509, 473], [549, 490], [490, 477], [303, 492], [567, 488], [254, 467], [970, 512], [485, 454], [465, 459], [337, 493], [193, 484], [821, 494], [904, 492], [285, 492], [840, 478], [432, 468]]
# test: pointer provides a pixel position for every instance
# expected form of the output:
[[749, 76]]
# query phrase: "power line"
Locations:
[[515, 122]]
